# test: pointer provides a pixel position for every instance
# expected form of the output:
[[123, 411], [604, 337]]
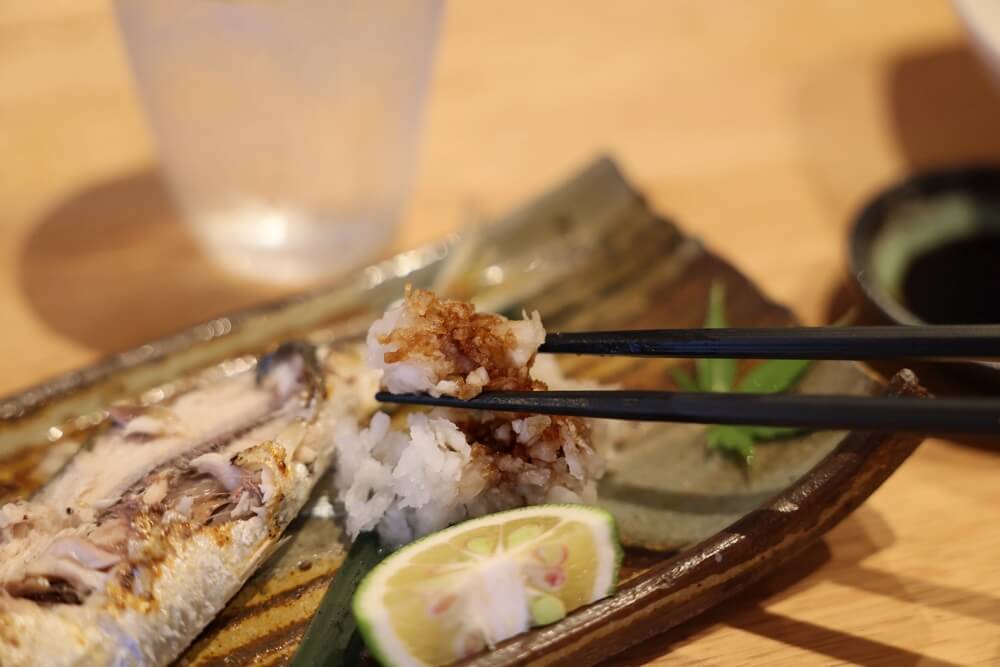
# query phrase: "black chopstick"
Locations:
[[889, 342], [873, 413]]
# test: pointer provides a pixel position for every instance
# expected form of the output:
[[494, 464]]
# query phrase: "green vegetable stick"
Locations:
[[332, 640]]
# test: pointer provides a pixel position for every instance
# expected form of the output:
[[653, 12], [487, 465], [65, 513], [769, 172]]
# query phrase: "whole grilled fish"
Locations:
[[126, 555]]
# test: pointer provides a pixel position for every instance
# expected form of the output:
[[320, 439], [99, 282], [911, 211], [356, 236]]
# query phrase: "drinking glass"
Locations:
[[287, 129]]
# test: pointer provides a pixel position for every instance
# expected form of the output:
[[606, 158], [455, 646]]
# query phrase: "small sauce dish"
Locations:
[[927, 251]]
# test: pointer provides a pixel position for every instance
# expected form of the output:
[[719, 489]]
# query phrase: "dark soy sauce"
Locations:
[[957, 283]]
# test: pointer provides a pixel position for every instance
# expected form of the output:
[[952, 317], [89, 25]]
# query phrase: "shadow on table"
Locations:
[[789, 579], [945, 108], [112, 267], [860, 536], [863, 127]]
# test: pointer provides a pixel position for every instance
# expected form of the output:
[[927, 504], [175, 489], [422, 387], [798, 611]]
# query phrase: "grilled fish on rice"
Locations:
[[141, 539]]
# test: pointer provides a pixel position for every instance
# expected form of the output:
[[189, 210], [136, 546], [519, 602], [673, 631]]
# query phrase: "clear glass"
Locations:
[[287, 129]]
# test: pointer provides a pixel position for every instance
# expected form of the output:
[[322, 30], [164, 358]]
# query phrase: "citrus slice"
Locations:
[[455, 592]]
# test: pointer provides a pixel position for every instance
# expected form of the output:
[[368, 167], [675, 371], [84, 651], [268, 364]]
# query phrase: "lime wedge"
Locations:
[[458, 591]]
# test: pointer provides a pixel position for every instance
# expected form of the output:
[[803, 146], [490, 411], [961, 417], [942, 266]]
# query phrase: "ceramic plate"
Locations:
[[588, 255]]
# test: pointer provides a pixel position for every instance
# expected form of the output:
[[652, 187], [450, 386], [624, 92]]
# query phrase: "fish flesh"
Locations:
[[142, 538]]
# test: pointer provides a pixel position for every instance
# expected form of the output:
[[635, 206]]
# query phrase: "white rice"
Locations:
[[410, 483], [435, 365], [446, 466], [609, 436]]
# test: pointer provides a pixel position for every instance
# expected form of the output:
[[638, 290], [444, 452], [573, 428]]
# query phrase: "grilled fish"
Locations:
[[126, 554]]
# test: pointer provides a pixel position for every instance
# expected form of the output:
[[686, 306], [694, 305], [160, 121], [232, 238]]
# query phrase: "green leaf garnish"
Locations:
[[684, 380], [774, 376], [716, 375], [735, 441], [772, 432]]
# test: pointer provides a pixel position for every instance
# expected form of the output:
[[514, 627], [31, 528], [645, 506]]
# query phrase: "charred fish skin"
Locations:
[[127, 555]]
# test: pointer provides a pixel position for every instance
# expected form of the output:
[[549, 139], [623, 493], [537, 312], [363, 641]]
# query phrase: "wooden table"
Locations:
[[760, 125]]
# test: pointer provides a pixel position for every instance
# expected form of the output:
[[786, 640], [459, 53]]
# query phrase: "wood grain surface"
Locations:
[[759, 125]]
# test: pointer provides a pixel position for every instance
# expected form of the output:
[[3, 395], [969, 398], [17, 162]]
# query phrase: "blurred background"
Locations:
[[760, 126]]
